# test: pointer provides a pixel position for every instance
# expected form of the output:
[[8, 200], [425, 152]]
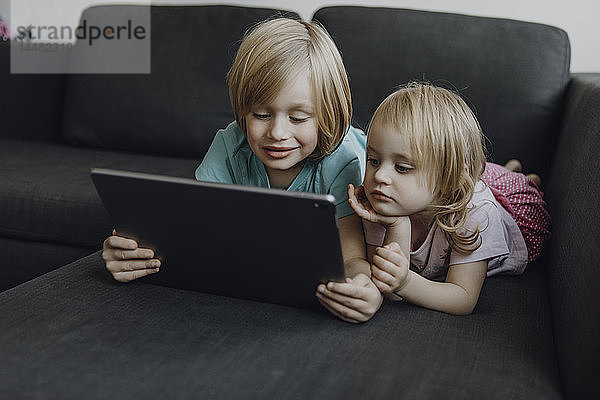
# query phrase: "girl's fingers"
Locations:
[[388, 260], [129, 276], [393, 249], [351, 194], [383, 287], [361, 212], [381, 274]]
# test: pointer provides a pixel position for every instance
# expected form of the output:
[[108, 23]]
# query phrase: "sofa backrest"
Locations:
[[574, 249], [177, 109], [31, 104], [512, 73]]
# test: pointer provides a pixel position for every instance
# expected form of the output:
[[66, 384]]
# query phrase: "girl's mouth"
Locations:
[[377, 195], [278, 152]]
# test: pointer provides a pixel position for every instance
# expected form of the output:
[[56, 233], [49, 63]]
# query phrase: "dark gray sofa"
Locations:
[[74, 332]]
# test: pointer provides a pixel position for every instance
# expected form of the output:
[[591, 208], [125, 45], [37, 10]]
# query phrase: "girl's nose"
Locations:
[[382, 175], [278, 129]]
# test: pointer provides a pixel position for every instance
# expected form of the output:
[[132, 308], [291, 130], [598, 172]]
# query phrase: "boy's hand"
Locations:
[[390, 269], [361, 206], [126, 261], [356, 300]]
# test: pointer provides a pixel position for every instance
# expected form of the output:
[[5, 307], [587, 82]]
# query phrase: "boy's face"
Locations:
[[284, 133], [393, 184]]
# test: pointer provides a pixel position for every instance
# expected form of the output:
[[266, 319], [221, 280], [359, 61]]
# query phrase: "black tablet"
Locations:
[[261, 244]]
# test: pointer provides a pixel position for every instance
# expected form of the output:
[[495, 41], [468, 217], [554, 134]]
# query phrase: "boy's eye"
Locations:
[[402, 168], [298, 119], [373, 161], [261, 116]]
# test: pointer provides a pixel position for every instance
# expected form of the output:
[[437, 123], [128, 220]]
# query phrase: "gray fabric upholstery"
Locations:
[[24, 260], [103, 339], [177, 109], [76, 333], [512, 73], [32, 104], [573, 253], [48, 194], [51, 213]]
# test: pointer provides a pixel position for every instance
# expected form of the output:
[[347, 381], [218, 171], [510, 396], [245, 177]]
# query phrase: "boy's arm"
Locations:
[[353, 246], [216, 166], [457, 295], [357, 299]]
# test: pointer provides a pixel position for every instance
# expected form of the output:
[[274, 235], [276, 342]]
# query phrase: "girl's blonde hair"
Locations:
[[447, 143], [278, 50]]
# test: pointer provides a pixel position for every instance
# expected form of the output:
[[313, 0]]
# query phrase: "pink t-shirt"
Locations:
[[502, 243]]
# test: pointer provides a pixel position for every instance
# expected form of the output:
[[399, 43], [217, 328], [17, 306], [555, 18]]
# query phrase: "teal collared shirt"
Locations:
[[230, 160]]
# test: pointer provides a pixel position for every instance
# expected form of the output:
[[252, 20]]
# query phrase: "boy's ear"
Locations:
[[243, 125]]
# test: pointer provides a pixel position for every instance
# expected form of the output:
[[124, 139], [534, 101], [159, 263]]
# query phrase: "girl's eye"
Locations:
[[261, 116], [373, 161], [402, 168]]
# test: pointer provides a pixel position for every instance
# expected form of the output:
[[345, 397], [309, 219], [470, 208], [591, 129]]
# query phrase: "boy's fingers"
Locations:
[[337, 314], [339, 310], [346, 289], [119, 242], [129, 276], [347, 300], [132, 265], [119, 254]]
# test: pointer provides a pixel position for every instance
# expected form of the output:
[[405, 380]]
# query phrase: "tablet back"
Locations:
[[262, 244]]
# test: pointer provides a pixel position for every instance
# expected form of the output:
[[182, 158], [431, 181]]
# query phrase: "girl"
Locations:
[[291, 100], [432, 226]]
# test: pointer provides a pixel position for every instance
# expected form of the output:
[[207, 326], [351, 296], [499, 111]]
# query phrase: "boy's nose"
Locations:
[[278, 129]]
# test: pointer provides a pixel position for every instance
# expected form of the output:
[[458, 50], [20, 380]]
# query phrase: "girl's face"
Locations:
[[393, 185], [284, 133]]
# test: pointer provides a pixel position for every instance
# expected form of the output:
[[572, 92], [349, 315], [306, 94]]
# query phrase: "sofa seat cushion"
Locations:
[[47, 195], [103, 339], [23, 260]]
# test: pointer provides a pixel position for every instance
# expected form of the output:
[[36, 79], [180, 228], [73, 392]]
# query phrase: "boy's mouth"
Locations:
[[278, 151]]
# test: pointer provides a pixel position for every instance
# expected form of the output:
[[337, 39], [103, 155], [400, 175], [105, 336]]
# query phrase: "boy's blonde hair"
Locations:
[[278, 50], [447, 143]]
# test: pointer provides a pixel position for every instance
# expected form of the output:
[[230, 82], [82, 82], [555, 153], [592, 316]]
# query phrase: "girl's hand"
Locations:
[[126, 261], [361, 206], [390, 269], [356, 300]]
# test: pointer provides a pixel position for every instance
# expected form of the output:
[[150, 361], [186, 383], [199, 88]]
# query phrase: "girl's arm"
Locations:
[[398, 233], [457, 295]]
